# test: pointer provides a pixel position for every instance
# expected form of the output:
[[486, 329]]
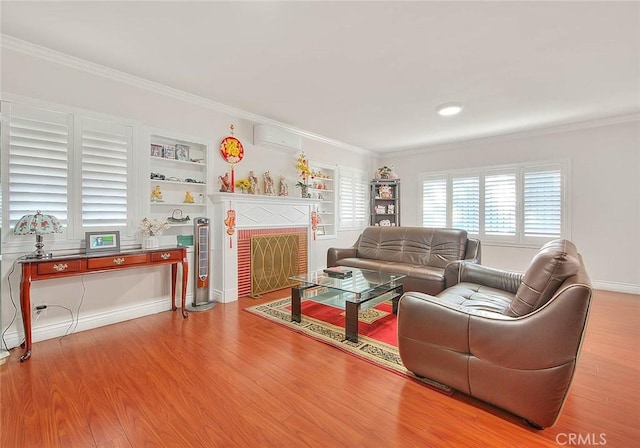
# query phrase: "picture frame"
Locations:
[[182, 152], [105, 241], [169, 151], [156, 150]]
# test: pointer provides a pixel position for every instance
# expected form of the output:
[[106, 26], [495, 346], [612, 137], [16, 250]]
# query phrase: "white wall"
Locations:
[[605, 197], [99, 298], [605, 192]]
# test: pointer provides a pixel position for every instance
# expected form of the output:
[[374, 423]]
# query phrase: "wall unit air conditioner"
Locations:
[[277, 138]]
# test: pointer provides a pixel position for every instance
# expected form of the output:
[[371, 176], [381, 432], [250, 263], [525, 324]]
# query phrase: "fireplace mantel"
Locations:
[[260, 198], [251, 212]]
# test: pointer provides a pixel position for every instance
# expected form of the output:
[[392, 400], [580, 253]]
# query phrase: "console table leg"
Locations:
[[25, 308], [185, 279], [174, 274]]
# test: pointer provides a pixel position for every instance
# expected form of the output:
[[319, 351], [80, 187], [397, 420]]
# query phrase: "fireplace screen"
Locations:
[[274, 258]]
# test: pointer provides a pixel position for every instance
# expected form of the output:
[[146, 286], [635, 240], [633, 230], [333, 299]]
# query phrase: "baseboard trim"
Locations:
[[88, 322], [617, 287]]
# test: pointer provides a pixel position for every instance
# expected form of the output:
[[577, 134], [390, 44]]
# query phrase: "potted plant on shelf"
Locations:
[[302, 164], [386, 172], [243, 184]]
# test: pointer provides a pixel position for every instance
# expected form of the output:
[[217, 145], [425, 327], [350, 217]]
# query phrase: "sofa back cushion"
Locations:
[[414, 245], [553, 264]]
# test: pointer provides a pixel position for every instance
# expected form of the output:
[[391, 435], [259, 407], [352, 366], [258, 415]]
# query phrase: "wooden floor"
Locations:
[[226, 378]]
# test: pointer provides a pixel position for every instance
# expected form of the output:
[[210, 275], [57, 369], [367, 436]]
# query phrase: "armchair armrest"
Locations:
[[547, 338], [465, 271], [473, 252]]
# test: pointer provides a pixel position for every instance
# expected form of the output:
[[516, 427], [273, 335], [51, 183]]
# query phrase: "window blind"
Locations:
[[105, 152], [38, 162], [543, 203], [500, 204], [465, 203], [434, 203], [353, 198]]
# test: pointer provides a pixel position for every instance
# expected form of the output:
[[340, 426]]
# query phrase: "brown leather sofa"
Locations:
[[506, 338], [420, 253]]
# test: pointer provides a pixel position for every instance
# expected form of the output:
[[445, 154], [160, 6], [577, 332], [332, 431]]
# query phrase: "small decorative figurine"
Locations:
[[268, 184], [385, 192], [156, 194], [254, 189], [284, 188], [225, 183], [188, 198]]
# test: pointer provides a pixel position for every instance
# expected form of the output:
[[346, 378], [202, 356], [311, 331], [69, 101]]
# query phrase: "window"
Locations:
[[434, 203], [74, 167], [353, 198], [38, 162], [105, 160], [519, 204]]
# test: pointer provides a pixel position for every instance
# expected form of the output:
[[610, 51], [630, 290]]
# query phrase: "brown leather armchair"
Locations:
[[506, 338]]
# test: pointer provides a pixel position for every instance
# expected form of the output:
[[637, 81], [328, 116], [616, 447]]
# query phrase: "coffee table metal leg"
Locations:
[[394, 302], [296, 309], [351, 321]]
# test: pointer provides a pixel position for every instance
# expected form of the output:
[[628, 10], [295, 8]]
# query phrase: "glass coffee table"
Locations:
[[362, 290]]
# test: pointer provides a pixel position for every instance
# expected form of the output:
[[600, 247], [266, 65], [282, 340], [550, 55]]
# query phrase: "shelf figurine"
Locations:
[[284, 188], [225, 183], [268, 184], [156, 194], [188, 198], [254, 188]]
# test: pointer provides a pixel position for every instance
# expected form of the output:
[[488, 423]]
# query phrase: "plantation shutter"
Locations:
[[353, 199], [500, 204], [105, 159], [434, 202], [465, 203], [543, 203], [39, 142]]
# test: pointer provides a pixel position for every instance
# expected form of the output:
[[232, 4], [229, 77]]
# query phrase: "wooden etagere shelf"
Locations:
[[385, 202]]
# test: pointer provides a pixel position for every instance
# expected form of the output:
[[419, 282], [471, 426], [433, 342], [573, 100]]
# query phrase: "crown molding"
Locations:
[[47, 54], [548, 130]]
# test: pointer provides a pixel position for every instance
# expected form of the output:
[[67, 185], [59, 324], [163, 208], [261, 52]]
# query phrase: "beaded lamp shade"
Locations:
[[38, 224]]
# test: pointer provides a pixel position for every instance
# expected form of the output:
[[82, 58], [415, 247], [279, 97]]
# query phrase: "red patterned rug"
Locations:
[[377, 332]]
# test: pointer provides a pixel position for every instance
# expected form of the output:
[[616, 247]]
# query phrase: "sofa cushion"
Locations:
[[553, 264], [477, 299], [413, 245]]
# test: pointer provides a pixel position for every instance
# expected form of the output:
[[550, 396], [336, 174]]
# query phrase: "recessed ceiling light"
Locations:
[[448, 109]]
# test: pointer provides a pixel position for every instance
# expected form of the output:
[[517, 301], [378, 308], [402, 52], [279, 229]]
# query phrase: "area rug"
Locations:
[[377, 332]]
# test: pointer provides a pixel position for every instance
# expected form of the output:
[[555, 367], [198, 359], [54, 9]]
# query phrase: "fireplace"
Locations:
[[258, 216], [268, 257]]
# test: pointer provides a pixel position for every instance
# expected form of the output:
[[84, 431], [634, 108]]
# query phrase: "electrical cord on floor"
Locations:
[[15, 307], [77, 319]]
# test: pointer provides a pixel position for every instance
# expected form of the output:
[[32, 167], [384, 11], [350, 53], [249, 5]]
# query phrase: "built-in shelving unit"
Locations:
[[385, 202], [177, 185], [323, 186]]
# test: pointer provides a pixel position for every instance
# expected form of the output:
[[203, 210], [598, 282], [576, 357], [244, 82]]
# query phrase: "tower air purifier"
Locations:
[[202, 267]]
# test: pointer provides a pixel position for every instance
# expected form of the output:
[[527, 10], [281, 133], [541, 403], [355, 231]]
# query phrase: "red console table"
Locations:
[[71, 265]]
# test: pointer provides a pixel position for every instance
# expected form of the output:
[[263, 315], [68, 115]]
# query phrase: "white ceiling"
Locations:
[[368, 74]]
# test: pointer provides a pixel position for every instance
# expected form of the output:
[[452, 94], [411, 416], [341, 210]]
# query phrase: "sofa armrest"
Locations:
[[465, 271], [334, 254]]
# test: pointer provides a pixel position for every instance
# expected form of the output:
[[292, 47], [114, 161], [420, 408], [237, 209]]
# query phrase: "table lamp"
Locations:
[[40, 225]]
